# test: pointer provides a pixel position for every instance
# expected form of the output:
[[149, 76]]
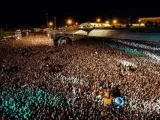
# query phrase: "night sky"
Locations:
[[32, 12]]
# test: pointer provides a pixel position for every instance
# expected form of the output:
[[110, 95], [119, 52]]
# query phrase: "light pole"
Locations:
[[139, 21], [47, 19], [55, 22], [98, 21]]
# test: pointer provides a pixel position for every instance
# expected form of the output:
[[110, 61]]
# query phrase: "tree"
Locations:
[[1, 33], [113, 26], [128, 26], [149, 24]]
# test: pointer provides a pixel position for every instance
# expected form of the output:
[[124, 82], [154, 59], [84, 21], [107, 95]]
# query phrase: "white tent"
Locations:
[[81, 32], [117, 34], [100, 33], [86, 25]]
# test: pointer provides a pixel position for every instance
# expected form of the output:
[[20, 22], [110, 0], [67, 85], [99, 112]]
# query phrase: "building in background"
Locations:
[[149, 19], [94, 25]]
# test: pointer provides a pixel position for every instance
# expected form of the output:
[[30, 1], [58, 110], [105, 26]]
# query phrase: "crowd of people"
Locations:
[[31, 77]]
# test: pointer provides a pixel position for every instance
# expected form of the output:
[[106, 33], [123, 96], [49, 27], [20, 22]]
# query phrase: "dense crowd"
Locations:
[[60, 83]]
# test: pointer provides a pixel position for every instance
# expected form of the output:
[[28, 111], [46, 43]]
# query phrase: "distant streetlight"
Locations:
[[98, 20], [107, 22], [76, 23], [114, 21], [50, 24], [69, 21]]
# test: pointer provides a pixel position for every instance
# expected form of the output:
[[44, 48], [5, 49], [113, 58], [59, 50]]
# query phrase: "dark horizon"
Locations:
[[33, 13]]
